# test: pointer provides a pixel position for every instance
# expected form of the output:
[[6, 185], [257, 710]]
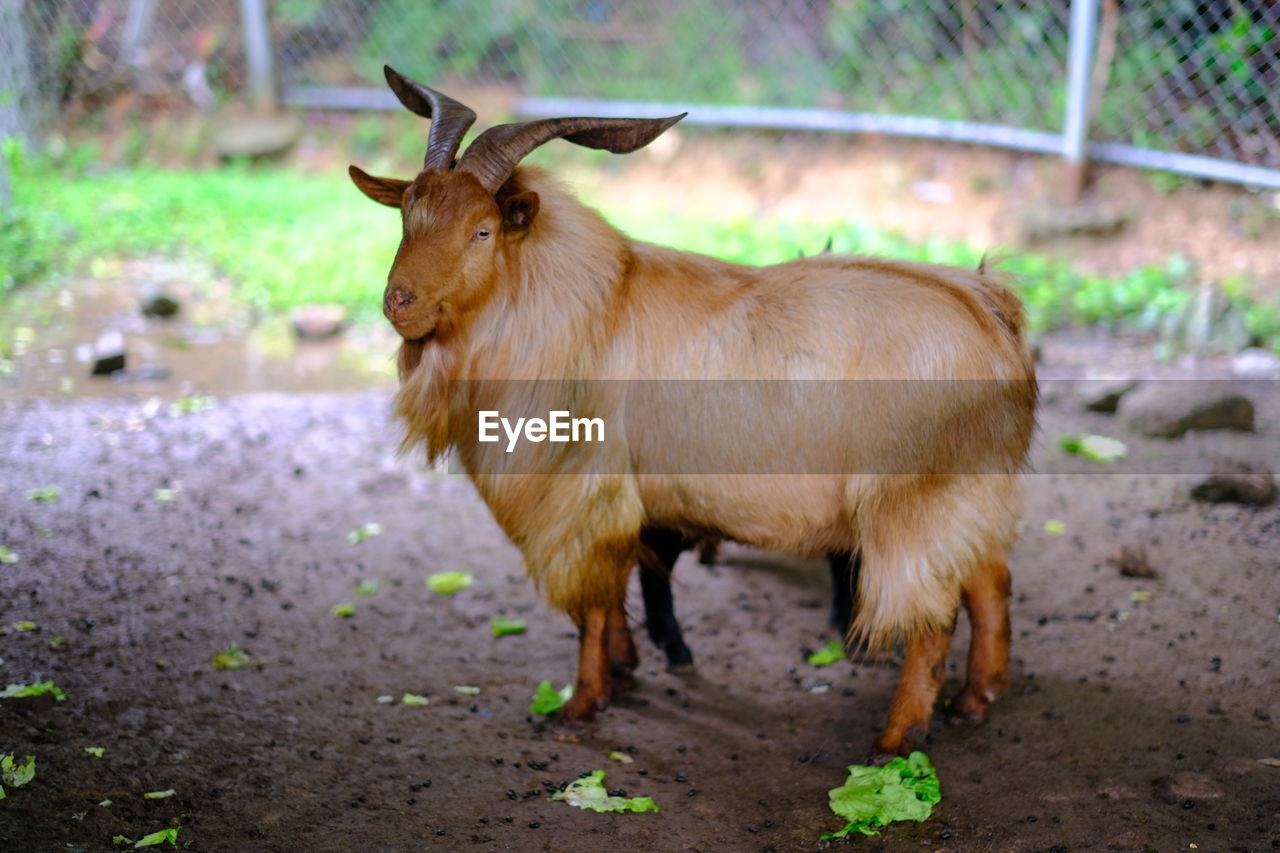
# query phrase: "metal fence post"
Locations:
[[257, 50], [1084, 22]]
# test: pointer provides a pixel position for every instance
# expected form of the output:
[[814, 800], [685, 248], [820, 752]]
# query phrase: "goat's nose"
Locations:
[[396, 299]]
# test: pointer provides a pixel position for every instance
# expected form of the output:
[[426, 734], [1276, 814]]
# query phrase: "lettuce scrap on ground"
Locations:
[[414, 699], [44, 495], [165, 495], [448, 583], [1054, 527], [620, 757], [873, 797], [363, 532], [7, 556], [367, 588], [548, 700], [95, 751], [1095, 448], [345, 610], [24, 625], [589, 793], [155, 838], [39, 688], [831, 653], [16, 774], [159, 795], [501, 626], [233, 658]]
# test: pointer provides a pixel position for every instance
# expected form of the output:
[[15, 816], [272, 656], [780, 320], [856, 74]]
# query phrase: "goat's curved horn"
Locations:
[[449, 119], [495, 153]]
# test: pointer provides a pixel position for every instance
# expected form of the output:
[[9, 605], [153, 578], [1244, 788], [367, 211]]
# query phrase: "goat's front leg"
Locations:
[[620, 648], [912, 705], [591, 693]]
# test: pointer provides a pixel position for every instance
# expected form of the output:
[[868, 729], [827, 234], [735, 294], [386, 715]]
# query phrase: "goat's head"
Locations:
[[458, 215]]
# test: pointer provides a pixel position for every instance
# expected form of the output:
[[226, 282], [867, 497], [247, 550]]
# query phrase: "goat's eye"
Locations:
[[481, 234]]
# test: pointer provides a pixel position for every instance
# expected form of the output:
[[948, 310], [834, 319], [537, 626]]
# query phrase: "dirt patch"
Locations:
[[1133, 722]]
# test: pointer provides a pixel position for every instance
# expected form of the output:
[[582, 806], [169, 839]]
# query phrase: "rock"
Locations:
[[1169, 409], [161, 305], [1236, 481], [318, 321], [1104, 396], [257, 136], [108, 353], [1211, 324], [1184, 786], [1048, 222], [1256, 362], [1132, 562]]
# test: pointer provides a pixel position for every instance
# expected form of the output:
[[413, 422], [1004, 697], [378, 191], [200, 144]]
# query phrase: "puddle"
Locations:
[[214, 345]]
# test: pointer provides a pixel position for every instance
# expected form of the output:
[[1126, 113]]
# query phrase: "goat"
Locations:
[[501, 276]]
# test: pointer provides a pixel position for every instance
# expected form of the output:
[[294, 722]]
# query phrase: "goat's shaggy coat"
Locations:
[[576, 300], [502, 277]]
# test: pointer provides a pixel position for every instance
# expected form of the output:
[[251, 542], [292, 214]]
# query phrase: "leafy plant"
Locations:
[[874, 797], [547, 700], [589, 792]]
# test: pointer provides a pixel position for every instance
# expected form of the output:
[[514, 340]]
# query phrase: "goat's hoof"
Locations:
[[891, 745], [679, 658], [969, 707], [582, 708], [620, 681]]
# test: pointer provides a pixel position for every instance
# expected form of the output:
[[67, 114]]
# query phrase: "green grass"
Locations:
[[286, 238], [283, 237]]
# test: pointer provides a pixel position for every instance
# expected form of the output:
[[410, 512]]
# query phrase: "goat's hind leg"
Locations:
[[986, 599], [658, 554], [922, 675]]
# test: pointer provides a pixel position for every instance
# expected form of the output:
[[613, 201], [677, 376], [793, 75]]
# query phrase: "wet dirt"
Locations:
[[1132, 722], [216, 343]]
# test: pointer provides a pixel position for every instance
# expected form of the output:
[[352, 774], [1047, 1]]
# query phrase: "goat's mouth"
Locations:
[[417, 326]]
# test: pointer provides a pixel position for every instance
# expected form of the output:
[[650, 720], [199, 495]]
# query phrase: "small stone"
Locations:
[[319, 321], [257, 136], [1257, 363], [1132, 562], [1170, 409], [1236, 481], [1104, 396], [109, 354], [1181, 787], [161, 305]]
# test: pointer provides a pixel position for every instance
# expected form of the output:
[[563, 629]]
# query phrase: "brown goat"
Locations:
[[502, 276]]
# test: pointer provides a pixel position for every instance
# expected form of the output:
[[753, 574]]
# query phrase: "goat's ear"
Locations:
[[388, 191], [519, 210]]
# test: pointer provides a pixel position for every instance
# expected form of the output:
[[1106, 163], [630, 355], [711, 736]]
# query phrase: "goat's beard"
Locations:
[[410, 355]]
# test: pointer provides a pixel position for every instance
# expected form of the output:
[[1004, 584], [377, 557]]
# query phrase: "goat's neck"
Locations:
[[548, 318]]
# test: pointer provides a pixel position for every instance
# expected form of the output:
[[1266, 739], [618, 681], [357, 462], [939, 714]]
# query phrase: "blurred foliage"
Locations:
[[287, 238]]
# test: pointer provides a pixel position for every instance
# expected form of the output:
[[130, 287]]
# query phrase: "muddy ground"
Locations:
[[1128, 725]]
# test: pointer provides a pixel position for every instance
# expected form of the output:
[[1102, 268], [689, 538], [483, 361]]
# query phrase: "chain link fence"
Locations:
[[1188, 85]]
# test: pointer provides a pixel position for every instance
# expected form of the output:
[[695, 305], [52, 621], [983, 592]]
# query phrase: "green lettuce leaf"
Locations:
[[548, 700], [448, 583], [39, 688], [589, 793], [155, 838], [831, 653], [16, 775], [1095, 448], [874, 797], [501, 626]]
